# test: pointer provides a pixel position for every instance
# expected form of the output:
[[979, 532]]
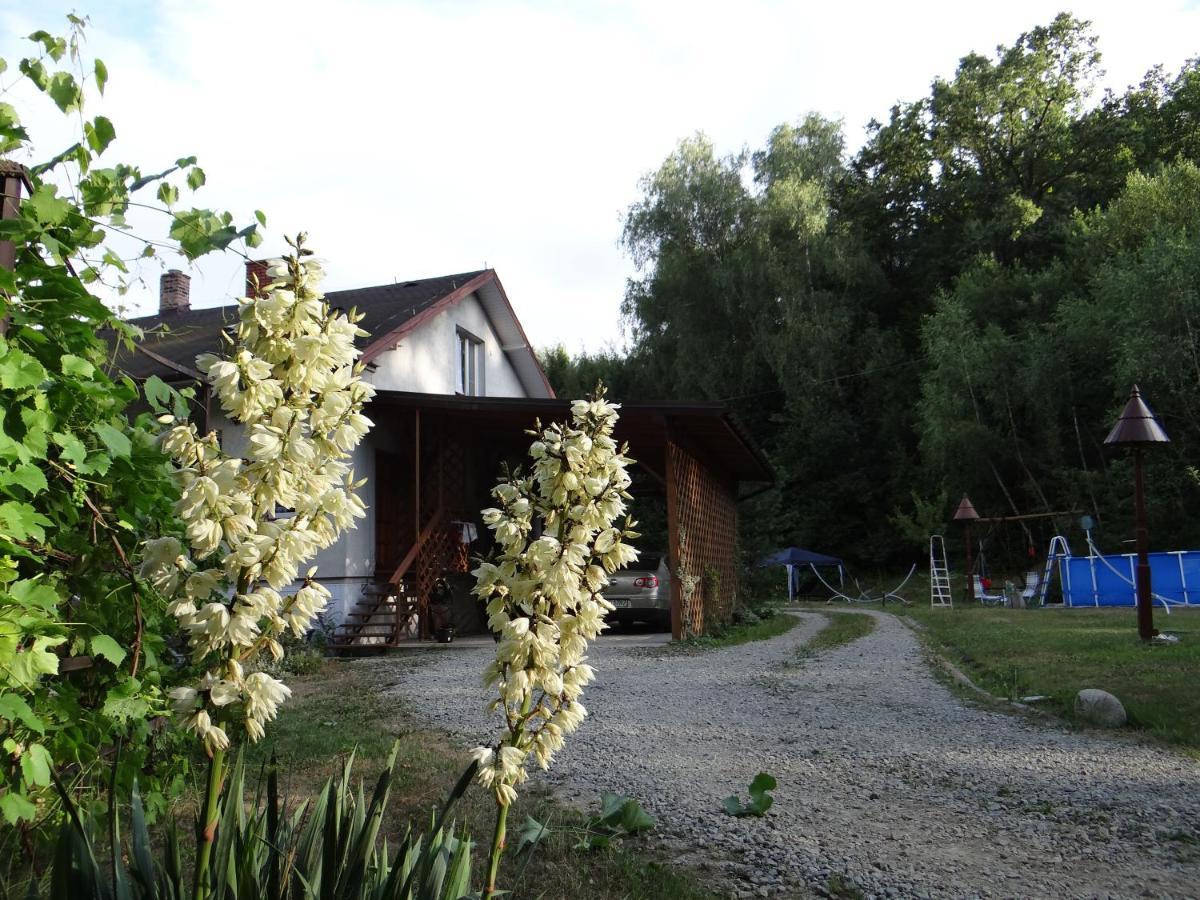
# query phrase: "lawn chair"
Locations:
[[1033, 586], [982, 595]]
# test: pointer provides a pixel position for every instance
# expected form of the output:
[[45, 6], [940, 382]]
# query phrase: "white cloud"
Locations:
[[418, 139]]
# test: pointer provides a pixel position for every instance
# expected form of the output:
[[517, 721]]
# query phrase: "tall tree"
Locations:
[[959, 307]]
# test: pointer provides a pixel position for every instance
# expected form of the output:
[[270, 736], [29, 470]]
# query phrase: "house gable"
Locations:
[[411, 341], [428, 359], [422, 353]]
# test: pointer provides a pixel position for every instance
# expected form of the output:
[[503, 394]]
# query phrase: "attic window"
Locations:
[[469, 364]]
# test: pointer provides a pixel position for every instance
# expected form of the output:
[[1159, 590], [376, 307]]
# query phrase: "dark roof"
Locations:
[[179, 337], [1136, 425], [794, 556], [708, 430]]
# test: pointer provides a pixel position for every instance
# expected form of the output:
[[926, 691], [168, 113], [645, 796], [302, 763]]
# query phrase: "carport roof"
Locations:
[[706, 429]]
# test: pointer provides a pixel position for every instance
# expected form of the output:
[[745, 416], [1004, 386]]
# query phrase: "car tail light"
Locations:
[[646, 581]]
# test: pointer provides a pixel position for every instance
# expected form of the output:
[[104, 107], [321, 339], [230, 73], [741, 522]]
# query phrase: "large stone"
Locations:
[[1100, 708]]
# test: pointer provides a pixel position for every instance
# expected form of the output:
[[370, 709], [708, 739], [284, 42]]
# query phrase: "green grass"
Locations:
[[772, 626], [1056, 653], [340, 708], [843, 628]]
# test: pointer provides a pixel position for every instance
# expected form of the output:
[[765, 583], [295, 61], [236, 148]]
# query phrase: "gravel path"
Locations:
[[887, 781]]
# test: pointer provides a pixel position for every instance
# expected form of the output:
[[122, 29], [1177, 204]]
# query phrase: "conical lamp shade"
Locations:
[[965, 511], [1136, 424]]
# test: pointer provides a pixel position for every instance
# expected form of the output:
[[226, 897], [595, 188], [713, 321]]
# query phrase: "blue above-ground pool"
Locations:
[[1109, 580]]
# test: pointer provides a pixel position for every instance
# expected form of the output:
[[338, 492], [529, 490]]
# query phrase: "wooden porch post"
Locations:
[[416, 471], [416, 577], [673, 543]]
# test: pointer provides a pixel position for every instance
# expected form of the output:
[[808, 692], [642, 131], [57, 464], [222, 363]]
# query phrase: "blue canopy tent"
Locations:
[[796, 559]]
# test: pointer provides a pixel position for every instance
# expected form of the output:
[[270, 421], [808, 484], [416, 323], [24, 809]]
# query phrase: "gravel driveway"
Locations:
[[887, 781]]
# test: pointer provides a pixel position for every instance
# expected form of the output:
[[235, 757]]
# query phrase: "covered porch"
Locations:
[[438, 456]]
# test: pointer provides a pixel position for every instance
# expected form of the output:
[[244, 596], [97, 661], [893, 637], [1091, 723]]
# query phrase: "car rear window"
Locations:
[[647, 561]]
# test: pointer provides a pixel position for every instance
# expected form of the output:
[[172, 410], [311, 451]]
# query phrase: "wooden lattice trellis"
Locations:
[[441, 480], [702, 522]]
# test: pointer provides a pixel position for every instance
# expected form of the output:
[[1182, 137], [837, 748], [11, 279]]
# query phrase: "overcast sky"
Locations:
[[418, 139]]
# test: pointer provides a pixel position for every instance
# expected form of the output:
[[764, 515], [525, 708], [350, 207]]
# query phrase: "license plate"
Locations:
[[621, 604]]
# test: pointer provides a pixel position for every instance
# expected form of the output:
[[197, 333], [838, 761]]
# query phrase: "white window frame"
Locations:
[[468, 364]]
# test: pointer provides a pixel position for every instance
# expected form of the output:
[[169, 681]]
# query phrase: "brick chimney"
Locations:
[[256, 277], [12, 178], [173, 290]]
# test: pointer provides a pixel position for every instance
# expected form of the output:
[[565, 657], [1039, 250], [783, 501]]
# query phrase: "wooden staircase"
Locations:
[[381, 619], [393, 611]]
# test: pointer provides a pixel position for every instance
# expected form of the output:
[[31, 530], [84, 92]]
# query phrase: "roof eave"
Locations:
[[531, 377], [390, 339]]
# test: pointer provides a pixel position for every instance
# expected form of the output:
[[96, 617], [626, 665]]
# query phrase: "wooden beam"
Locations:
[[1047, 515], [655, 475], [417, 471], [673, 545]]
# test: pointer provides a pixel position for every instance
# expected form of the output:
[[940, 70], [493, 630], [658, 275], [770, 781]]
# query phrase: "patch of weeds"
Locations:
[[619, 816], [733, 635], [844, 888], [1044, 808], [303, 662], [1181, 836], [1011, 685], [530, 834], [843, 628], [760, 800]]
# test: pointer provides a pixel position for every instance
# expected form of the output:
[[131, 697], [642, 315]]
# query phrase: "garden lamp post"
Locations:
[[966, 514], [1137, 428]]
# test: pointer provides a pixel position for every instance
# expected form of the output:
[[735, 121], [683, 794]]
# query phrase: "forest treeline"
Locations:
[[959, 307]]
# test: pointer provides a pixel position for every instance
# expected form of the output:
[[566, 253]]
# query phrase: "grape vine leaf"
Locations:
[[106, 646]]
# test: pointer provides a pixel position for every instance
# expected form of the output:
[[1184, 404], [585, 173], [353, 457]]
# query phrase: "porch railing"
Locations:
[[435, 523]]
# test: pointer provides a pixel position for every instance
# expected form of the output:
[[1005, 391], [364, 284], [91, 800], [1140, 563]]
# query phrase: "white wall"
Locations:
[[350, 563], [426, 361]]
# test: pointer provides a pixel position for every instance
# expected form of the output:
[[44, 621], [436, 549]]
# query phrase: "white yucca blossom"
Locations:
[[543, 592], [293, 381]]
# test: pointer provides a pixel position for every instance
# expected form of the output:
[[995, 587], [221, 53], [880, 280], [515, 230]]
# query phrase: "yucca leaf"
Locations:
[[171, 883], [251, 851], [120, 878], [402, 864], [139, 835], [434, 867], [273, 827], [331, 835], [364, 846], [61, 874], [458, 882], [227, 886], [122, 889], [88, 878], [89, 882], [231, 819], [308, 853], [456, 793]]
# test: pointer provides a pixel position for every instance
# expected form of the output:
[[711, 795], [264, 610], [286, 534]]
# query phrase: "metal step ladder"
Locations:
[[939, 573], [1058, 550]]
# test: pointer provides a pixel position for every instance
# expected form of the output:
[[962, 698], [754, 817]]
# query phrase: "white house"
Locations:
[[454, 335], [458, 385]]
